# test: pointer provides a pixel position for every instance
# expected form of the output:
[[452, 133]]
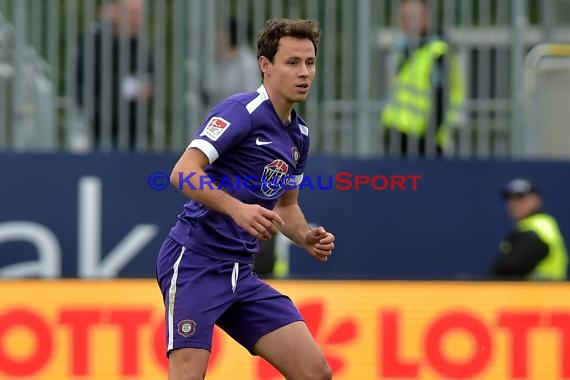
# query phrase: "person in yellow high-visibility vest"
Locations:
[[428, 91], [535, 249]]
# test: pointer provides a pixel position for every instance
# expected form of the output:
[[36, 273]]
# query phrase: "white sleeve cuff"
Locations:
[[207, 148]]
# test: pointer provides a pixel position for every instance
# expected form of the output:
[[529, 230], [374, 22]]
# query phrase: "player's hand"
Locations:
[[319, 243], [258, 221]]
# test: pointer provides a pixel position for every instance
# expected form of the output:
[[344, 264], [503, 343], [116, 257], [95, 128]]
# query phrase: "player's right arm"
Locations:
[[255, 219]]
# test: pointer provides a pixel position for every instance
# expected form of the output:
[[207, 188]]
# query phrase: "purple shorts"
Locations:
[[200, 291]]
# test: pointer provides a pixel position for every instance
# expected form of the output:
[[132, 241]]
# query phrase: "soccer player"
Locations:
[[248, 146]]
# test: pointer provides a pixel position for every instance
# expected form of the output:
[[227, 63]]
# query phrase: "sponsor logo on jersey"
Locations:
[[215, 128], [274, 177], [259, 142]]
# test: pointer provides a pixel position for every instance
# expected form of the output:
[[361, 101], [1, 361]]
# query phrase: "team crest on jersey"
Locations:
[[186, 328], [274, 177], [215, 128], [295, 155]]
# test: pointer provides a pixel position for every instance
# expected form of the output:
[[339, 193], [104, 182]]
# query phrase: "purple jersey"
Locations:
[[254, 157]]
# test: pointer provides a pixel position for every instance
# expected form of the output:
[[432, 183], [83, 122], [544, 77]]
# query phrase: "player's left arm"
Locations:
[[316, 241]]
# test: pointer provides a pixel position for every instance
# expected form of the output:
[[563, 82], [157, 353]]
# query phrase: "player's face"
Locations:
[[293, 69]]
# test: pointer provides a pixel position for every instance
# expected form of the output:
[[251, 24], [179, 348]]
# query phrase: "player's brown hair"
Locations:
[[274, 29]]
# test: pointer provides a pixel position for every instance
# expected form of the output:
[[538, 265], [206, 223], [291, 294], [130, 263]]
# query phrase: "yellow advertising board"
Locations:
[[368, 330]]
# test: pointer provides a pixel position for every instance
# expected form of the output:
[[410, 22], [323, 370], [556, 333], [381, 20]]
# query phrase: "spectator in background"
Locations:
[[235, 66], [535, 250], [131, 84], [428, 91]]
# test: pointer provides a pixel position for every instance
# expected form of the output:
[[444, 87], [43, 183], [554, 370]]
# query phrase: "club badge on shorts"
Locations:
[[186, 328]]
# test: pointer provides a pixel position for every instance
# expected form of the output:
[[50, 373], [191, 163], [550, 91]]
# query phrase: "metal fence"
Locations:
[[547, 79], [48, 102]]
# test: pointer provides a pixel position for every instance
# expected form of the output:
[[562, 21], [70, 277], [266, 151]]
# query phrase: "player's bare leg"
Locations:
[[188, 364], [294, 352]]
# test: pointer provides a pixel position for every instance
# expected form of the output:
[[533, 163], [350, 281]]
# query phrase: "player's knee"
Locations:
[[185, 374], [326, 373], [188, 364], [318, 371]]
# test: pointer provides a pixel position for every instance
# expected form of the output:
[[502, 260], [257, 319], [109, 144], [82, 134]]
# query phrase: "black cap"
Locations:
[[519, 187]]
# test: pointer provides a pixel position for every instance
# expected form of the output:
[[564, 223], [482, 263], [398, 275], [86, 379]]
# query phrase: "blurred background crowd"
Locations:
[[92, 74]]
